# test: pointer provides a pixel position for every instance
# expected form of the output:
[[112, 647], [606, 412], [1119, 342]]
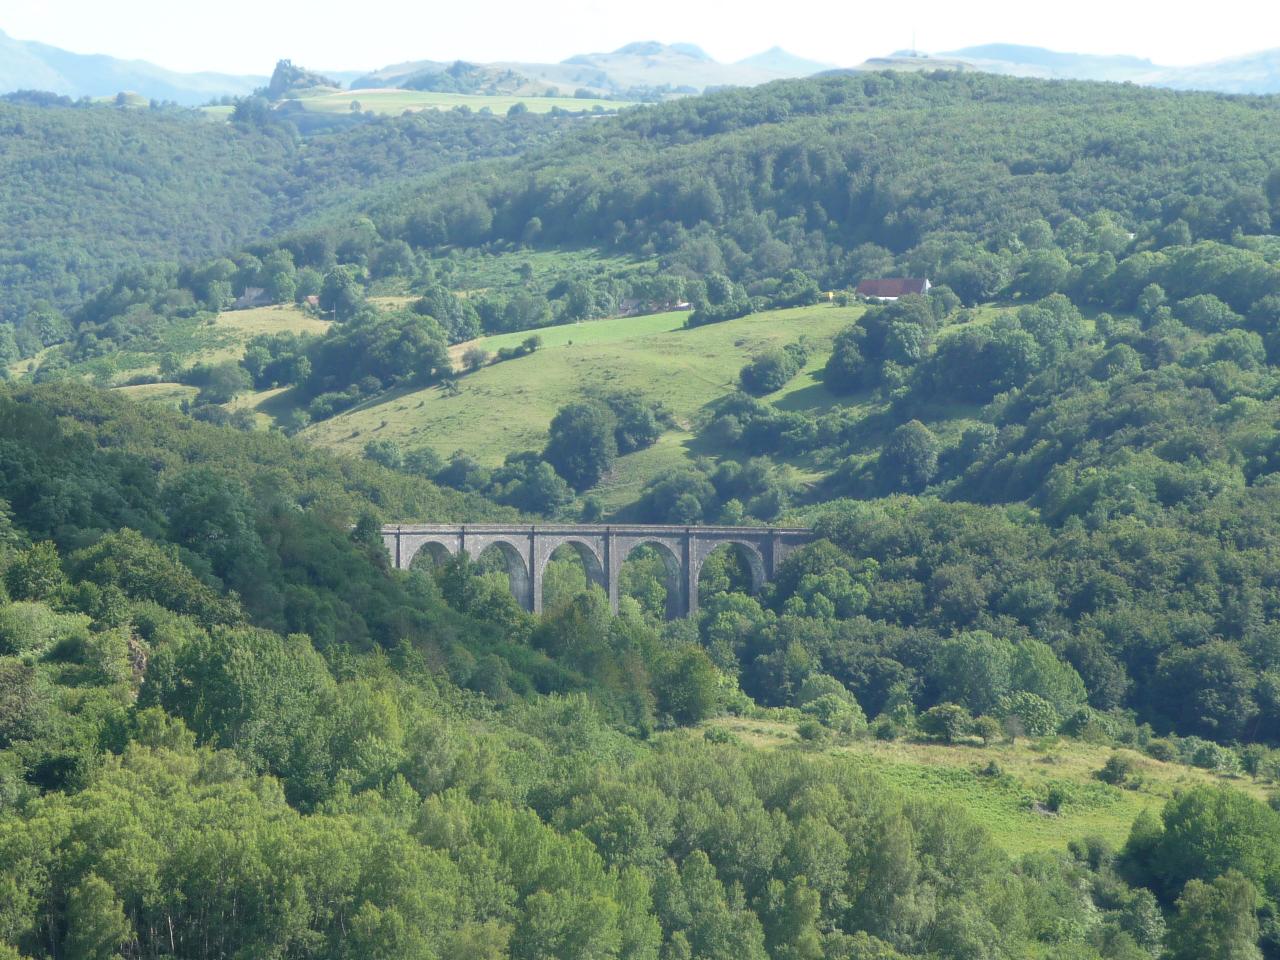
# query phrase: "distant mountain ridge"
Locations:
[[639, 70], [643, 66], [27, 65], [782, 61], [1256, 73], [1052, 59]]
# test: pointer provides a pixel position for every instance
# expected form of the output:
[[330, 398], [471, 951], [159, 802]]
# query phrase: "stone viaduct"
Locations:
[[603, 549]]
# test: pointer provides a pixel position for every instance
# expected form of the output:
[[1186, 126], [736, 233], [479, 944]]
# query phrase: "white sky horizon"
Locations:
[[250, 36]]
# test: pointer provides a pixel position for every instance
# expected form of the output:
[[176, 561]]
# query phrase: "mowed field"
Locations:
[[395, 102], [1009, 803], [507, 407]]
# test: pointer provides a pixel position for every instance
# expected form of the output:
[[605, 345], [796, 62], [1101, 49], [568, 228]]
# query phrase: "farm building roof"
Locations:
[[893, 287]]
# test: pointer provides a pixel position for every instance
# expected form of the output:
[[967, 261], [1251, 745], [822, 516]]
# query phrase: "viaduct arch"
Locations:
[[603, 549]]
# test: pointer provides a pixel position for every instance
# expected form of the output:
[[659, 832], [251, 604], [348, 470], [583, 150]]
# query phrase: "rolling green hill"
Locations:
[[1098, 433], [507, 406]]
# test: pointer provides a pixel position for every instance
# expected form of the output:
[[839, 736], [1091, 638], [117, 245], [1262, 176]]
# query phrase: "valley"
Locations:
[[923, 426]]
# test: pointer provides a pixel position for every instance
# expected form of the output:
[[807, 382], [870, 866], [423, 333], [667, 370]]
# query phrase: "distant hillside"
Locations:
[[472, 78], [783, 63], [27, 65], [635, 67], [396, 73], [289, 78], [1039, 62], [908, 61], [102, 189], [1257, 73], [1254, 73], [493, 411]]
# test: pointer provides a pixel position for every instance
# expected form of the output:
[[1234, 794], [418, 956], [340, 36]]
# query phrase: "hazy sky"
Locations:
[[248, 36]]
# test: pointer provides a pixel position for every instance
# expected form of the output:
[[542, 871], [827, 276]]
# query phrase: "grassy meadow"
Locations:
[[479, 271], [1009, 803], [225, 337], [236, 328], [506, 407], [392, 101], [191, 341]]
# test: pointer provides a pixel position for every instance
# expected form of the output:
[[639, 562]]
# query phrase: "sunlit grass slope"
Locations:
[[507, 406], [1010, 802], [195, 341]]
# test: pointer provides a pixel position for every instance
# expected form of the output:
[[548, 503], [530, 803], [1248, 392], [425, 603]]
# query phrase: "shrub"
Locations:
[[770, 371], [988, 729], [719, 735], [1033, 713], [1057, 797], [1092, 726], [384, 452], [1215, 757], [947, 722], [846, 369], [887, 729], [32, 628], [36, 574], [840, 714], [1093, 850], [639, 421], [24, 707], [1116, 770], [811, 730]]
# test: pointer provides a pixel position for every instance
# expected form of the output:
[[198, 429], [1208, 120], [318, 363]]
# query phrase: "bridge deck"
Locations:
[[594, 528]]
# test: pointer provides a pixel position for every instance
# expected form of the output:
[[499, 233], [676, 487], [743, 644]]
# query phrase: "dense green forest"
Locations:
[[993, 187], [942, 174], [87, 190], [227, 729], [1142, 436], [1044, 498]]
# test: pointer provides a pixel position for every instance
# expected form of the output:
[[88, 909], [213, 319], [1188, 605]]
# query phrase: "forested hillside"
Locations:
[[88, 190], [803, 174], [428, 772], [1044, 495]]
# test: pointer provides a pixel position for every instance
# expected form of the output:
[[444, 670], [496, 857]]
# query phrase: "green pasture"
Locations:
[[475, 271], [394, 102], [197, 340], [507, 406], [1010, 803]]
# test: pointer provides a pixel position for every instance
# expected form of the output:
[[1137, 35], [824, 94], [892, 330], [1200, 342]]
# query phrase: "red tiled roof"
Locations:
[[891, 287]]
